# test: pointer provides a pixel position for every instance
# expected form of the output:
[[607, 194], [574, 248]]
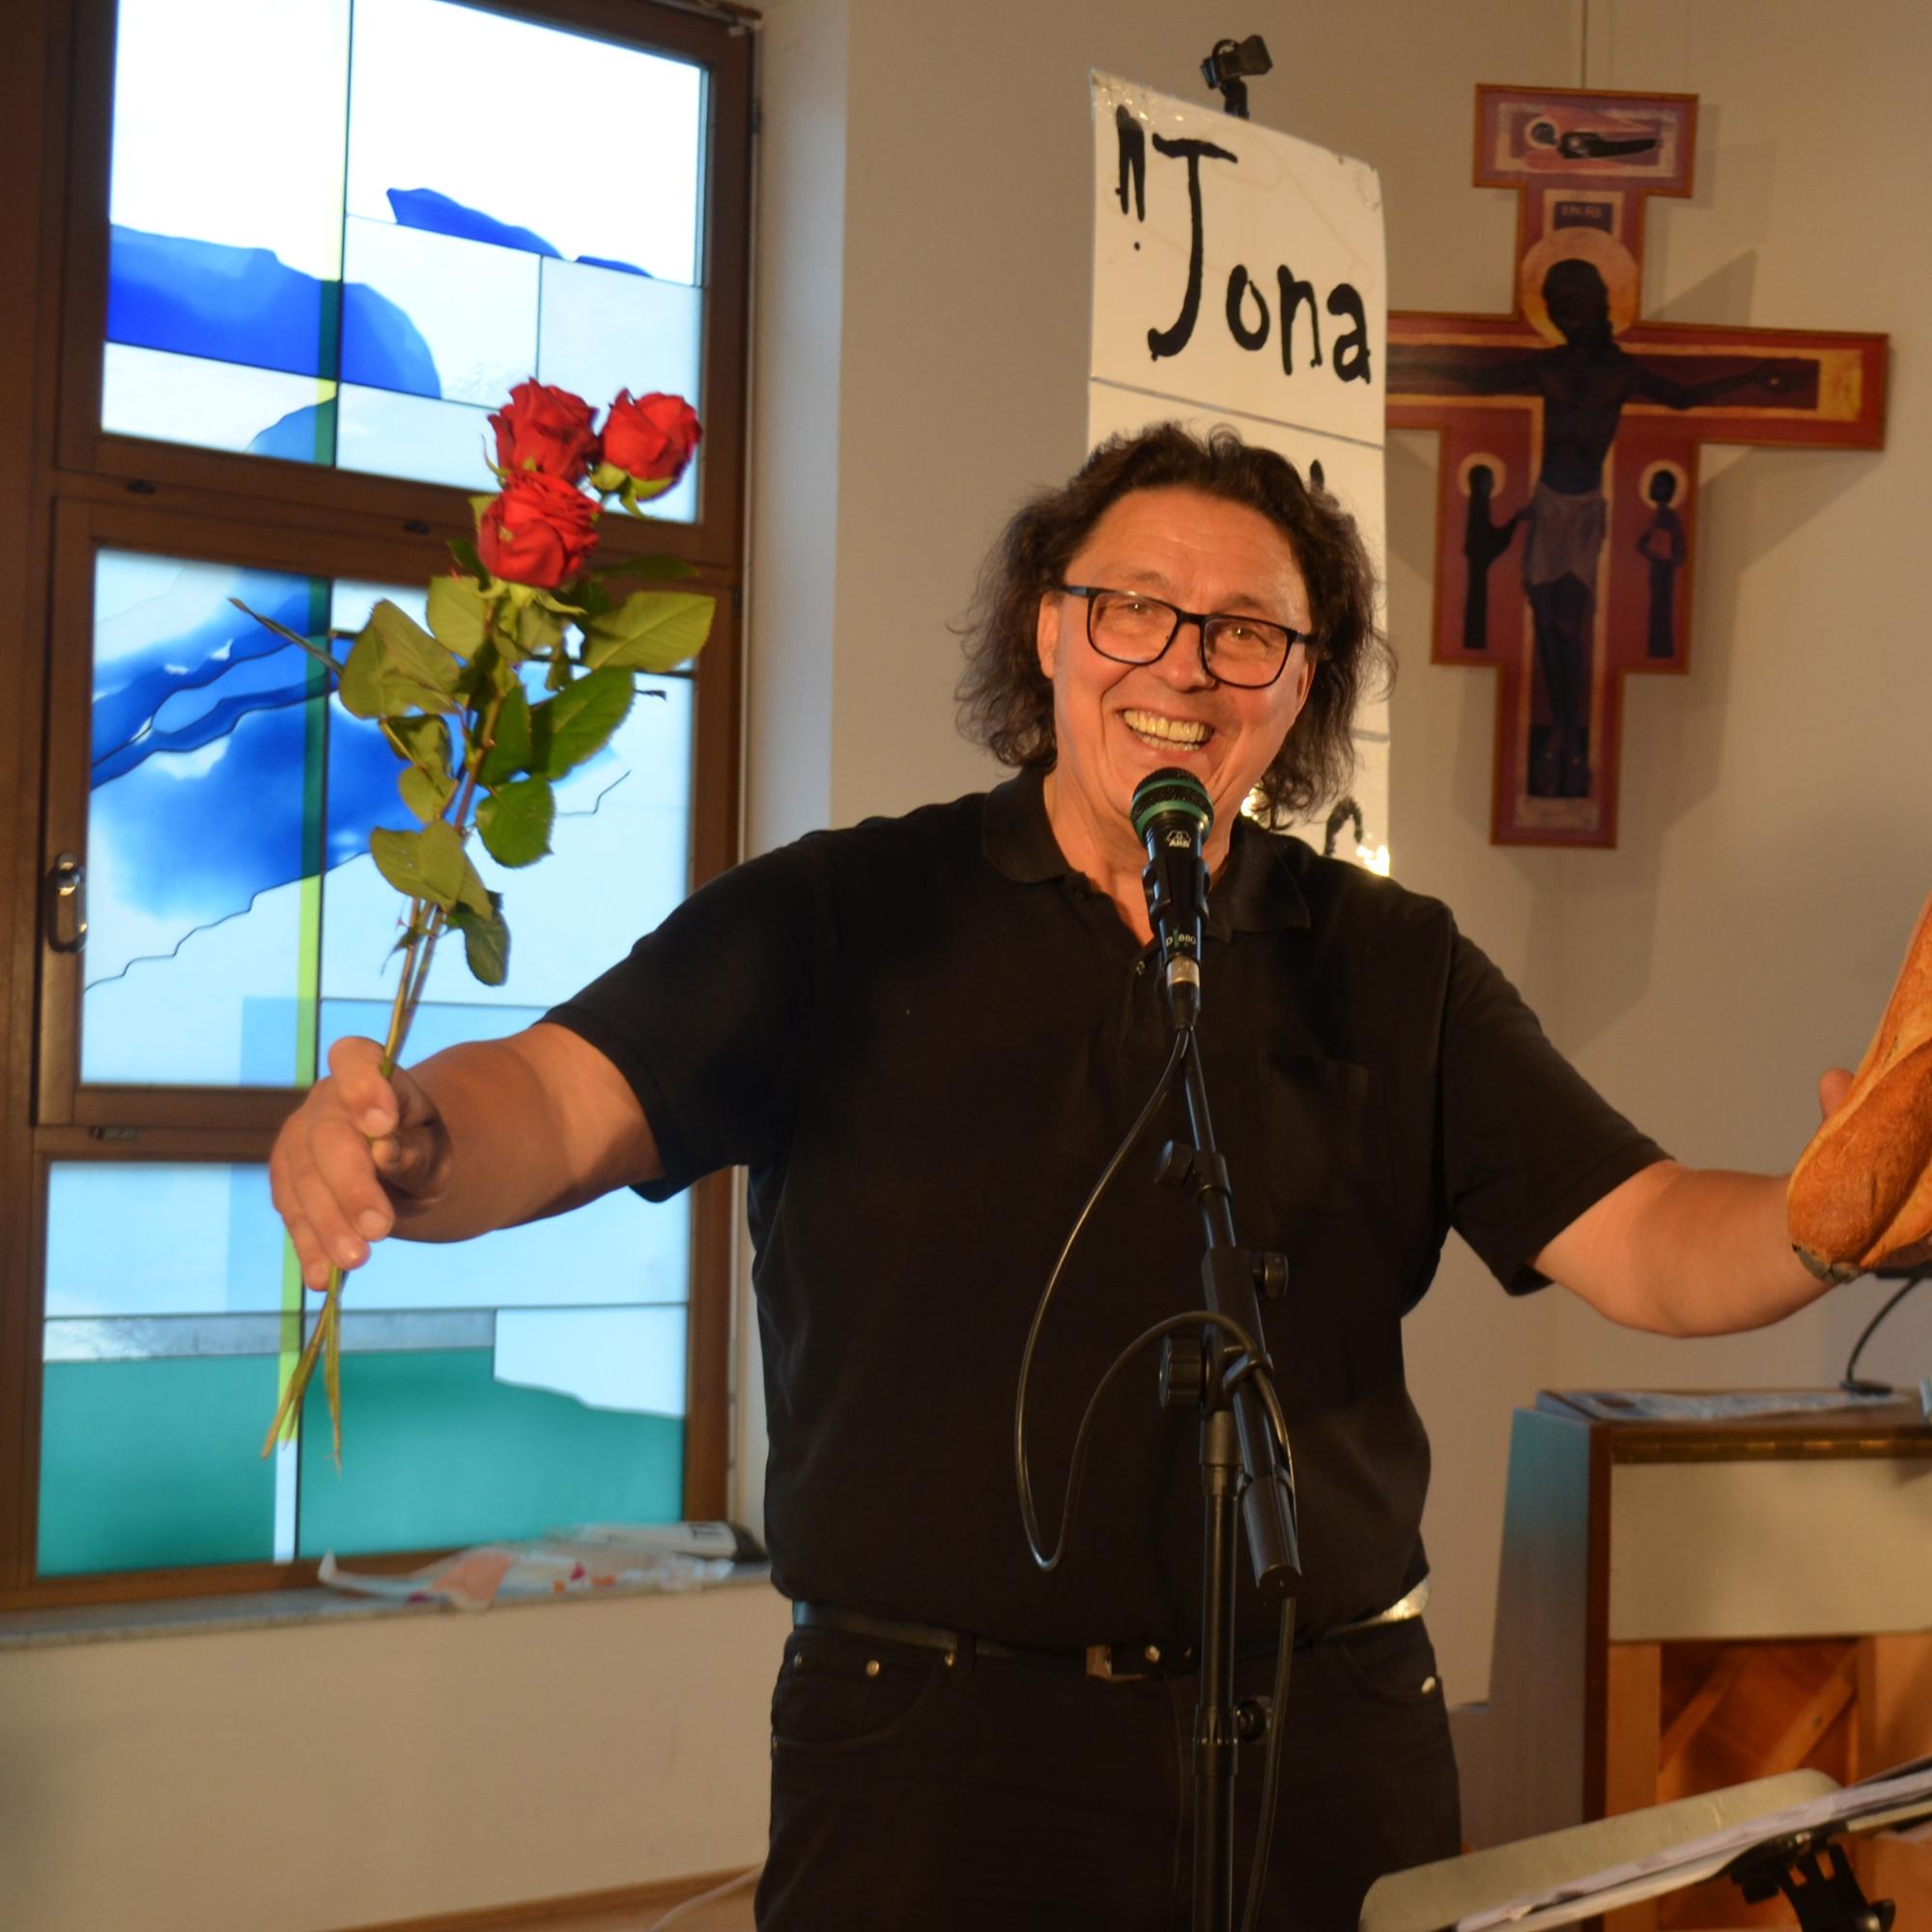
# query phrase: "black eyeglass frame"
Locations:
[[1200, 619]]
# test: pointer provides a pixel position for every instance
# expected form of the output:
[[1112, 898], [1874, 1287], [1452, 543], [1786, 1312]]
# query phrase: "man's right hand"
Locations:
[[356, 1148]]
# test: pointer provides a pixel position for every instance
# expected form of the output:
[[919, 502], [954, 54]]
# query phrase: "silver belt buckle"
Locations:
[[1100, 1664], [1398, 1612]]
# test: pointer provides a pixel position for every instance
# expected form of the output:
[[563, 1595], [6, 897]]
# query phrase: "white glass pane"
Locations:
[[619, 862], [216, 404], [622, 1358], [229, 123], [390, 435], [637, 205], [132, 1239], [603, 331], [474, 307], [618, 1249]]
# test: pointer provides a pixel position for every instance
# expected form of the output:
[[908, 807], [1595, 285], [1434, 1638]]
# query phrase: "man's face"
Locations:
[[1115, 723]]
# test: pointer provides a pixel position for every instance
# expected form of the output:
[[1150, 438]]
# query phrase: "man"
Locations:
[[924, 1037]]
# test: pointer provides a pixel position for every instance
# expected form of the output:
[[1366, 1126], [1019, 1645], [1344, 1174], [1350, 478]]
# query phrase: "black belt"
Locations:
[[1112, 1663]]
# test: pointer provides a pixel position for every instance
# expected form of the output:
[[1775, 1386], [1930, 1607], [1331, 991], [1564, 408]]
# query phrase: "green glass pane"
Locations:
[[437, 1452], [146, 1465]]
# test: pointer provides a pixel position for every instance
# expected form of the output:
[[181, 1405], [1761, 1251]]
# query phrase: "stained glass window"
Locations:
[[319, 251], [498, 1388], [239, 927]]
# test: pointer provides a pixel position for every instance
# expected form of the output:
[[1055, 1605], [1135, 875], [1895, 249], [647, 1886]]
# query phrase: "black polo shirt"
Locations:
[[924, 1037]]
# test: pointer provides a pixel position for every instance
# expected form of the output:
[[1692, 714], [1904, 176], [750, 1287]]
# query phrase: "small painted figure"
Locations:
[[1484, 540], [1663, 544]]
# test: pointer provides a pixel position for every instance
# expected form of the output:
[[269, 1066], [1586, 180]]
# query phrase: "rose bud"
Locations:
[[650, 438], [539, 532], [547, 430]]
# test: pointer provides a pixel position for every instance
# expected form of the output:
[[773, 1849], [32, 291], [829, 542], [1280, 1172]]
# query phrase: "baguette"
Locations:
[[1863, 1189]]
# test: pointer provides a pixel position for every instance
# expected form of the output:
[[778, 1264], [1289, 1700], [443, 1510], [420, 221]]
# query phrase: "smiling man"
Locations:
[[924, 1037]]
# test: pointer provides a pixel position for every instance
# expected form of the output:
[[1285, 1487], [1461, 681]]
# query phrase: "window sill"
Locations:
[[278, 1609]]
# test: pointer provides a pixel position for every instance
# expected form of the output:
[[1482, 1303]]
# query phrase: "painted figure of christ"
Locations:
[[1584, 381]]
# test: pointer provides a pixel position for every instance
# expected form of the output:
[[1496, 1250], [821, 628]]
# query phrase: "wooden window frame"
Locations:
[[68, 488]]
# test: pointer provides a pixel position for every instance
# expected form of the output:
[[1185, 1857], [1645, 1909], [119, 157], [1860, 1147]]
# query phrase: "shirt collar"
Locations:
[[1254, 892]]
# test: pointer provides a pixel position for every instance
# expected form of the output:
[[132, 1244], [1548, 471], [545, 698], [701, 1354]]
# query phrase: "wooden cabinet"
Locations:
[[1688, 1604]]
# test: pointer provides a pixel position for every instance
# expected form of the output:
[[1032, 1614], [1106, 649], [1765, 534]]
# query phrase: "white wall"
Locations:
[[1777, 804], [365, 1770]]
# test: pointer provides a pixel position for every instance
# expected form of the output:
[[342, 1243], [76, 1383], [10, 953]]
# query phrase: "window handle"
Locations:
[[67, 904]]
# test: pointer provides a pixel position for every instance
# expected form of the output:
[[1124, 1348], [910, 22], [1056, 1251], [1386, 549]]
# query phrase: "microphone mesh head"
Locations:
[[1171, 790]]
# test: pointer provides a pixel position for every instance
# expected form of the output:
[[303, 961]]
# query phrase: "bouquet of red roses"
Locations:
[[480, 755]]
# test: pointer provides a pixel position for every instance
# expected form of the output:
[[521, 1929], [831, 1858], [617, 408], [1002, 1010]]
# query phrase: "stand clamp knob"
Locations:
[[1182, 1371]]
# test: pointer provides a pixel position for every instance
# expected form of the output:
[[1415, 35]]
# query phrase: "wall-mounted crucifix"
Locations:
[[1566, 523]]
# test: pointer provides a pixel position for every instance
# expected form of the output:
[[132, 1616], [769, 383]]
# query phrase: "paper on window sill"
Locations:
[[473, 1579]]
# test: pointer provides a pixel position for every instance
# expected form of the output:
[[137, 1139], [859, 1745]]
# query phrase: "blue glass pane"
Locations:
[[218, 404], [153, 1464], [472, 309], [605, 331], [128, 1241], [627, 1359], [160, 1347], [618, 1250], [391, 435], [203, 822], [438, 1451]]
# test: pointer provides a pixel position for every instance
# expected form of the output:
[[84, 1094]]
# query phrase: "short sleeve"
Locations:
[[709, 1017], [1527, 1143]]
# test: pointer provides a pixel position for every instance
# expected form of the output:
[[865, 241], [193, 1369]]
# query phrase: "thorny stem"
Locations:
[[426, 924]]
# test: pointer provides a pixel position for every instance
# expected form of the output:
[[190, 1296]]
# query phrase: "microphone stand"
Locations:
[[1238, 1462], [1239, 1459]]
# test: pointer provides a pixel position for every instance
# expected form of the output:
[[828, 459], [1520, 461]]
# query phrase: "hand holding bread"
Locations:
[[1862, 1192]]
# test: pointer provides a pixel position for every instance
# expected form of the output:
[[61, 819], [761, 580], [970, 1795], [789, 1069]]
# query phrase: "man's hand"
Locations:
[[356, 1148]]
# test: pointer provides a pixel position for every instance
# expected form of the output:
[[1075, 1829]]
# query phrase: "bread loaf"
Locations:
[[1863, 1189]]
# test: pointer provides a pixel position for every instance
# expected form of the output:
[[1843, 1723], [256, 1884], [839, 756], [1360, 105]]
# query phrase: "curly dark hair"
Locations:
[[1005, 702]]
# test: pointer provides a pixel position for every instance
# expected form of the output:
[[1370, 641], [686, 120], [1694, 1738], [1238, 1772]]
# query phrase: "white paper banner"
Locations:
[[1238, 277]]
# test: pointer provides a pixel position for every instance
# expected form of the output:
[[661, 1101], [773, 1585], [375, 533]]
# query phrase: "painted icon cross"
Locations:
[[1566, 517]]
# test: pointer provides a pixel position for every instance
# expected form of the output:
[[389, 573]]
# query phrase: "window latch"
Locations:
[[67, 904]]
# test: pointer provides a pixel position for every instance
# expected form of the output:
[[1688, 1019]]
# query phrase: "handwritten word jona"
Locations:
[[1249, 318]]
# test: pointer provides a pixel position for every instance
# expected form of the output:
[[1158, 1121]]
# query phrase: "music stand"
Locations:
[[1778, 1833]]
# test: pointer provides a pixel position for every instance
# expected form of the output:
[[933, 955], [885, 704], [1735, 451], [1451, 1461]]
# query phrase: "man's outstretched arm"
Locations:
[[475, 1138], [1691, 1251]]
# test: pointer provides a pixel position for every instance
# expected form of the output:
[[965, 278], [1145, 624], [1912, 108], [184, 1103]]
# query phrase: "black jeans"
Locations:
[[921, 1795]]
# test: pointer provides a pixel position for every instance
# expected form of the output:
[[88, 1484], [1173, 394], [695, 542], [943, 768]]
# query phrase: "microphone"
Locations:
[[1172, 814]]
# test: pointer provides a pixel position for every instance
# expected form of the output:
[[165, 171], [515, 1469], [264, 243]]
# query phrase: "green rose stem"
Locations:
[[425, 926]]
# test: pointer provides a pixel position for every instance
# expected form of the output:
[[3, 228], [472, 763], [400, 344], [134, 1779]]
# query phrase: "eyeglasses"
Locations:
[[1131, 628]]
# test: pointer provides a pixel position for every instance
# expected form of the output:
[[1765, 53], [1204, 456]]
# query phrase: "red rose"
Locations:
[[651, 437], [539, 532], [547, 430]]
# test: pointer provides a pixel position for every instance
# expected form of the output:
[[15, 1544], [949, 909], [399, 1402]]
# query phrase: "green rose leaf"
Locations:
[[651, 630], [577, 722], [423, 741], [458, 614], [486, 941], [515, 822], [465, 552], [539, 630], [425, 795], [308, 645], [420, 873], [396, 666], [510, 752], [430, 865]]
